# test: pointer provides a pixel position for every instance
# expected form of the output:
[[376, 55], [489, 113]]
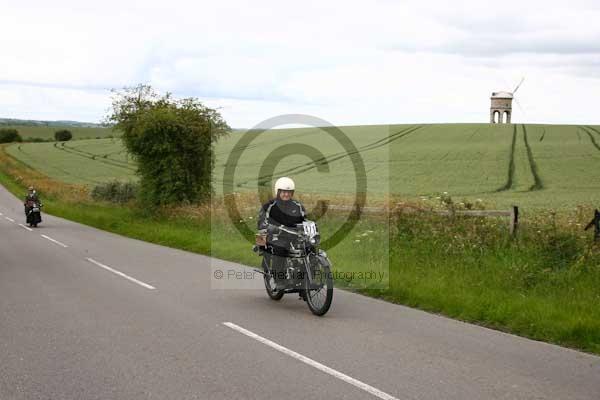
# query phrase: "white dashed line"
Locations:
[[24, 227], [10, 219], [361, 385], [114, 271], [54, 241]]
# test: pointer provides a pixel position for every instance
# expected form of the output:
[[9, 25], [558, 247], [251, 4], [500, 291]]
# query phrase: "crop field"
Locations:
[[47, 132], [537, 166], [83, 161]]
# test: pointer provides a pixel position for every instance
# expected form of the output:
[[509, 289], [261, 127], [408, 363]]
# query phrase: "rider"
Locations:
[[31, 196], [281, 210]]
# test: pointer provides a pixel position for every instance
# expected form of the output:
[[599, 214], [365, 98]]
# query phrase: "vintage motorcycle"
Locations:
[[306, 270], [33, 213]]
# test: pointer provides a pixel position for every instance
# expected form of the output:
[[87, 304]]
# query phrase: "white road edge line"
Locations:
[[361, 385], [10, 219], [114, 271], [25, 227], [55, 241]]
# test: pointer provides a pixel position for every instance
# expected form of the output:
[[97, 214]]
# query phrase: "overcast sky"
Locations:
[[368, 62]]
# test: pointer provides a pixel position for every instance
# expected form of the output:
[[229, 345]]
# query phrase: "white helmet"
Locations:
[[283, 183]]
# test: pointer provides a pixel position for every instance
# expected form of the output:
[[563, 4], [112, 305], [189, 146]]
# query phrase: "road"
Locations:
[[86, 314]]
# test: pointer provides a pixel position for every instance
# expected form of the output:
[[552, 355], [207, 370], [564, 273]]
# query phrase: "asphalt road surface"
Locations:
[[86, 314]]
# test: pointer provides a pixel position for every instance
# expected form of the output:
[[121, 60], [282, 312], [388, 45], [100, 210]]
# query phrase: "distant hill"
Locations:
[[28, 122], [31, 129]]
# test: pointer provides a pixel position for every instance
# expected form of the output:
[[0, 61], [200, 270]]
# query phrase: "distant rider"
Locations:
[[31, 196]]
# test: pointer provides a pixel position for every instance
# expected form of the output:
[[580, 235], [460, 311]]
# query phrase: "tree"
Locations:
[[63, 135], [171, 140], [8, 135]]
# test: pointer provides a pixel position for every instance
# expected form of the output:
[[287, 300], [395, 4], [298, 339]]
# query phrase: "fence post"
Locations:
[[597, 218], [596, 224], [320, 209], [514, 220]]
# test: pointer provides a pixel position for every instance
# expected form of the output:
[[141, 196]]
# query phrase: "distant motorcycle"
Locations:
[[307, 269], [33, 213]]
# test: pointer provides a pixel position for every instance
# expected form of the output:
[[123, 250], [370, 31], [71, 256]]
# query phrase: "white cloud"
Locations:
[[35, 102], [348, 62]]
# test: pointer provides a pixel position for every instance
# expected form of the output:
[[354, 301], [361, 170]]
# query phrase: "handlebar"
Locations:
[[271, 228]]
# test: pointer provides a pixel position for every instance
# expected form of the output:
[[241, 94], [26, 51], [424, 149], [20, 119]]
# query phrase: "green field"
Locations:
[[82, 161], [537, 166]]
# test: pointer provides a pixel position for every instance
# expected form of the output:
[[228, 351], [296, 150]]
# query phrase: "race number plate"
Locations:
[[310, 228]]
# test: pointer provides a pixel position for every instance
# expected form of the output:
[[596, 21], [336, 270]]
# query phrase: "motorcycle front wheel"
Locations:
[[319, 289]]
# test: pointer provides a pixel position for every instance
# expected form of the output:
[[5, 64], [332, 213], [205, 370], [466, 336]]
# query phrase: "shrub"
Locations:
[[172, 142], [35, 140], [9, 135], [115, 191], [63, 135]]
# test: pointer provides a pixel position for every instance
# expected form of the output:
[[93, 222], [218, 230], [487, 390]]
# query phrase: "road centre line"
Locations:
[[10, 219], [336, 374], [54, 240], [25, 227], [114, 271]]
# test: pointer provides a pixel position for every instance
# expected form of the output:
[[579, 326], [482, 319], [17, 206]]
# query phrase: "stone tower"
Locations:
[[501, 108]]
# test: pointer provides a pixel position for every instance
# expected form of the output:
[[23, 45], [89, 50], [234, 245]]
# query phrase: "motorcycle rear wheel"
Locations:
[[269, 282]]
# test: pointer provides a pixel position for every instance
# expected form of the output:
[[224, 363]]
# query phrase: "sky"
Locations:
[[346, 62]]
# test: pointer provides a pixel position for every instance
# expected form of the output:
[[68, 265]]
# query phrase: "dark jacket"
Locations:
[[278, 212], [32, 197]]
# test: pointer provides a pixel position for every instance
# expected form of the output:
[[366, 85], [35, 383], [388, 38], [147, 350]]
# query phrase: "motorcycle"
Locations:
[[33, 213], [306, 269]]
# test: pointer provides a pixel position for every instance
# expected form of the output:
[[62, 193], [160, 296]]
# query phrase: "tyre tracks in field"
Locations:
[[538, 183], [593, 129], [590, 131], [284, 138], [96, 157], [511, 164], [543, 134], [475, 132], [326, 160], [62, 171]]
